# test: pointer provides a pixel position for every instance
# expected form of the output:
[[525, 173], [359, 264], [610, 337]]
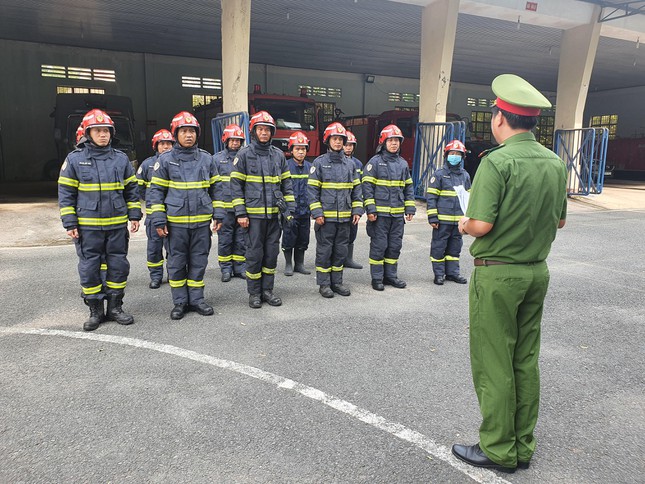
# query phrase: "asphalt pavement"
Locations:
[[371, 388]]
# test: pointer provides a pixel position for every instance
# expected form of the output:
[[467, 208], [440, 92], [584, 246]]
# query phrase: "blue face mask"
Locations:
[[454, 160]]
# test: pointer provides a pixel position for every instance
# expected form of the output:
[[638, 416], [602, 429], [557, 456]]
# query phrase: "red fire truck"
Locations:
[[291, 113], [626, 157]]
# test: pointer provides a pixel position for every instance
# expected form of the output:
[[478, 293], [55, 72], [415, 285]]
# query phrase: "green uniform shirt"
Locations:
[[520, 188]]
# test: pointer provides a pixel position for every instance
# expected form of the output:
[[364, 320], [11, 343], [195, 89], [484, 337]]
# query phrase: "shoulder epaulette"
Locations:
[[489, 150]]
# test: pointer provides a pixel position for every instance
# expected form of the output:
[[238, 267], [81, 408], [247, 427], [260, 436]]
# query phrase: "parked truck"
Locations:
[[291, 113], [626, 157], [68, 114]]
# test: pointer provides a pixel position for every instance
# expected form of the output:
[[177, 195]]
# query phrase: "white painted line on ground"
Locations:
[[400, 431]]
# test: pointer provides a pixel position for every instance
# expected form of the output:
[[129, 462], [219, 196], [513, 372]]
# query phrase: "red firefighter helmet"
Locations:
[[298, 139], [350, 138], [335, 129], [161, 135], [455, 145], [390, 131], [97, 119], [232, 131], [183, 120], [79, 133], [262, 118]]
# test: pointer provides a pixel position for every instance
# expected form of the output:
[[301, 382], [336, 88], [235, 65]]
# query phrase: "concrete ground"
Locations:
[[371, 388]]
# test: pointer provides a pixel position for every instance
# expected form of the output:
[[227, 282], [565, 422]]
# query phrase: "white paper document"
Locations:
[[463, 197]]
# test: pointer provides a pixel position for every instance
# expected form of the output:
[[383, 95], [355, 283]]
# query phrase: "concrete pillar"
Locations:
[[438, 30], [236, 39], [577, 55]]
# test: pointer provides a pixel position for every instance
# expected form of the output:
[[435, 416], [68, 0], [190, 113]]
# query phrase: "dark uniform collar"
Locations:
[[336, 156]]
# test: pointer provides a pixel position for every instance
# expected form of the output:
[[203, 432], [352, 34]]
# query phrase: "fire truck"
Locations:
[[68, 114], [291, 113], [626, 157]]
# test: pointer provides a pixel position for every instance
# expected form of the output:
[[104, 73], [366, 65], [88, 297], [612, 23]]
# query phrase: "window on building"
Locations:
[[204, 99], [201, 83], [78, 73], [406, 108], [79, 90], [609, 121], [480, 125], [544, 130], [320, 91], [326, 113], [406, 97], [480, 102]]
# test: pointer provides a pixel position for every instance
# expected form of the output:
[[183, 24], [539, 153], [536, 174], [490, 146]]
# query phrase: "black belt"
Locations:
[[485, 262]]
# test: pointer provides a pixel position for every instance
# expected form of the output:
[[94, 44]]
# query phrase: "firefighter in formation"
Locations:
[[444, 212], [162, 141], [262, 194], [97, 196], [336, 203], [180, 205], [231, 244], [389, 198]]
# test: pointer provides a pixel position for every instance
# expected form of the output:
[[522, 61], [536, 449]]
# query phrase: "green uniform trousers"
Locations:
[[505, 305]]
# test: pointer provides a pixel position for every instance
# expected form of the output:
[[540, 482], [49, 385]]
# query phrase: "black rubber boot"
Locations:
[[299, 259], [288, 266], [349, 262], [115, 310], [96, 314], [340, 289], [272, 299], [325, 291]]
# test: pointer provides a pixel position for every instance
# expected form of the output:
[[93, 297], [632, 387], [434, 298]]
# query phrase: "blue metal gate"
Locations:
[[585, 152], [431, 139], [221, 121]]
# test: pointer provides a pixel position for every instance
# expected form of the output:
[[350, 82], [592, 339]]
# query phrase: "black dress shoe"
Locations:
[[272, 299], [154, 284], [255, 301], [178, 311], [325, 291], [226, 276], [523, 465], [377, 285], [438, 280], [398, 283], [457, 279], [202, 308], [340, 289], [473, 455]]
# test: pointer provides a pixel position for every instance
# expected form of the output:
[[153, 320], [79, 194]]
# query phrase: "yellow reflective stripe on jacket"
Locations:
[[175, 284], [132, 179], [409, 203], [115, 285], [314, 183], [238, 175], [92, 290], [225, 178], [289, 198], [237, 201], [300, 176], [408, 181], [102, 187], [285, 174], [189, 185], [336, 214], [67, 211], [134, 204], [103, 221], [433, 191], [449, 218], [432, 211], [70, 182], [104, 267], [384, 183], [190, 219], [369, 201], [215, 179], [337, 185], [259, 179], [192, 283], [162, 182], [257, 210], [220, 204], [357, 204], [383, 209], [315, 205], [447, 193], [157, 208]]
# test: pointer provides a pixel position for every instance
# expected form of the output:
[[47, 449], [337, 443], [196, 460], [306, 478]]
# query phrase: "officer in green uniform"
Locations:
[[518, 201]]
